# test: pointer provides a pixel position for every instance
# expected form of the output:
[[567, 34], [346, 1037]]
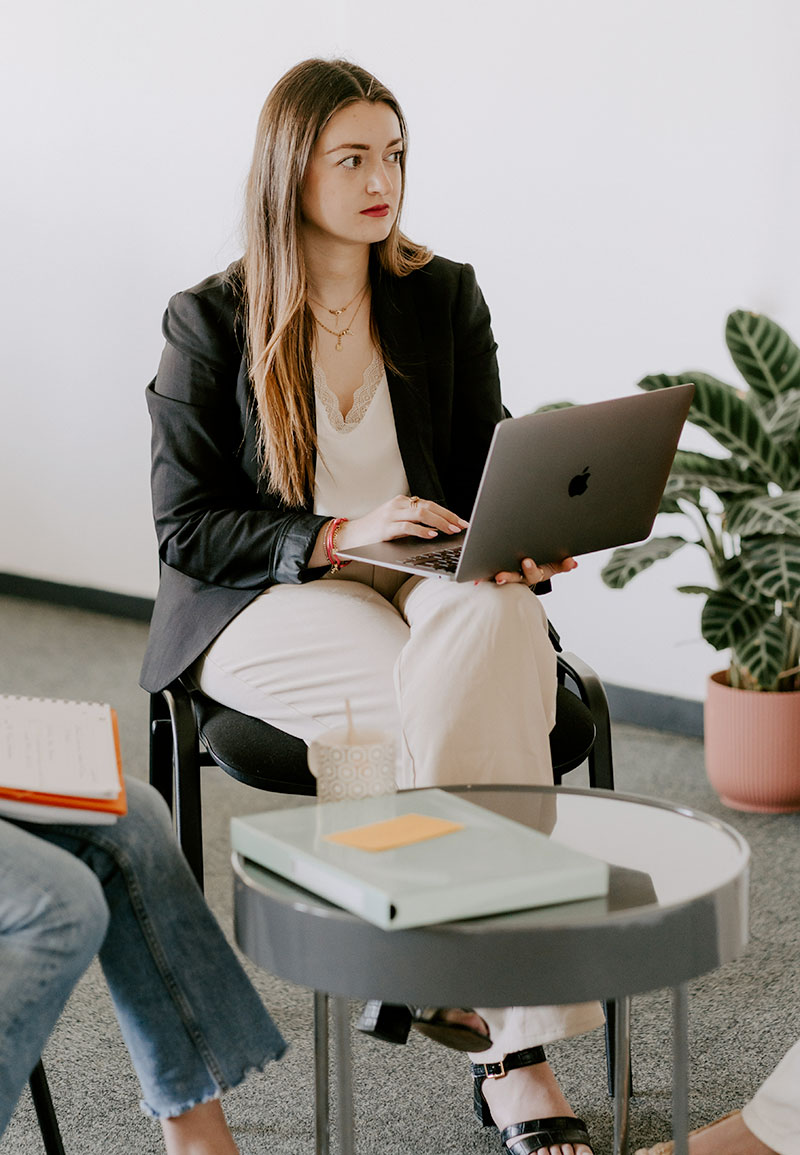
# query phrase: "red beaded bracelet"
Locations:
[[332, 532]]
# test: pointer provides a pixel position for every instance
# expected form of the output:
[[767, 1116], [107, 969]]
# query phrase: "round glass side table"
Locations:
[[676, 908]]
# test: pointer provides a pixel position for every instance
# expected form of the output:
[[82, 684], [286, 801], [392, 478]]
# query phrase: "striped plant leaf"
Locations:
[[764, 353], [707, 590], [780, 416], [555, 405], [792, 659], [724, 475], [719, 410], [763, 655], [670, 505], [734, 577], [630, 560], [773, 566], [765, 515], [727, 622]]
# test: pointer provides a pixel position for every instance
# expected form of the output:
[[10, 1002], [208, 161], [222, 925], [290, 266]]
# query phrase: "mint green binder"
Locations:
[[490, 866]]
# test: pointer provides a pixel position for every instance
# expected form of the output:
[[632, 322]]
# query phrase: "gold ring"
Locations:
[[413, 502]]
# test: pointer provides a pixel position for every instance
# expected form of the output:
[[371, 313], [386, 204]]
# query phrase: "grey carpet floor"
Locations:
[[413, 1099]]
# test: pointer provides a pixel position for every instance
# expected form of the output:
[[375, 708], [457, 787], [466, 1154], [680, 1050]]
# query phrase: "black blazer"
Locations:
[[222, 537]]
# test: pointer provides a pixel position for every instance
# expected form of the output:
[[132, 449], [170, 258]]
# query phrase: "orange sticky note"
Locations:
[[394, 832]]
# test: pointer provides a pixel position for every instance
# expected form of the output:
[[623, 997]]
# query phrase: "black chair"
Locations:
[[45, 1112]]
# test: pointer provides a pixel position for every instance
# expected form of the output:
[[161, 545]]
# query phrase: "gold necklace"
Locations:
[[346, 332], [336, 312]]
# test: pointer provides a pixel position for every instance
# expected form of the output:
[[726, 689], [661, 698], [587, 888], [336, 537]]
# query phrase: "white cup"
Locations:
[[358, 768]]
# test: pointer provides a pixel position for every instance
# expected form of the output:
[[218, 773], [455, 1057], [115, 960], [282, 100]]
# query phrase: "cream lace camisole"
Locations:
[[358, 460]]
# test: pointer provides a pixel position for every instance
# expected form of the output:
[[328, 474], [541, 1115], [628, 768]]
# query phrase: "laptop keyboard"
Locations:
[[440, 561]]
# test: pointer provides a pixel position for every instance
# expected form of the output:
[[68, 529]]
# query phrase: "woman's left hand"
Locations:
[[532, 574]]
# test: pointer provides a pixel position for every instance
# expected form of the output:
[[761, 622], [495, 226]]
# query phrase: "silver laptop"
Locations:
[[555, 485]]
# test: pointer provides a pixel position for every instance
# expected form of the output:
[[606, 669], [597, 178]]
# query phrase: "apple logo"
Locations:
[[579, 482]]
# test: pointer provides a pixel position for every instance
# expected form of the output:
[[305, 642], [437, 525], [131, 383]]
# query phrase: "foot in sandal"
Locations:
[[528, 1091], [727, 1136]]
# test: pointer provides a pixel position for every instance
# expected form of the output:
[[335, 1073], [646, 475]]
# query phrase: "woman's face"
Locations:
[[351, 191]]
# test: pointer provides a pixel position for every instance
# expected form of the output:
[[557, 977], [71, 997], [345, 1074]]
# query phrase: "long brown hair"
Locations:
[[279, 323]]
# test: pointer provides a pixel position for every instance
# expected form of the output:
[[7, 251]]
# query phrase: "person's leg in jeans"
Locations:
[[53, 918], [192, 1021]]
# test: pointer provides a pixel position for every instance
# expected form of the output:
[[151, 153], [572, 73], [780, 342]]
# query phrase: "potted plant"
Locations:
[[743, 508]]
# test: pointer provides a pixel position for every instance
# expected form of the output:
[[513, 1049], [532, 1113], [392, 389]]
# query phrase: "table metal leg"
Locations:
[[622, 1073], [344, 1075], [322, 1128], [680, 1068]]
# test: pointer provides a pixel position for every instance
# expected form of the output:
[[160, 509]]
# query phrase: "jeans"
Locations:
[[192, 1022]]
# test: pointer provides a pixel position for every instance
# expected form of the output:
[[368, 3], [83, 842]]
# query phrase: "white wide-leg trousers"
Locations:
[[773, 1114], [464, 673]]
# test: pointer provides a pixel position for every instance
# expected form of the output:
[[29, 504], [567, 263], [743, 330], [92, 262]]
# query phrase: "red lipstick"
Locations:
[[376, 211]]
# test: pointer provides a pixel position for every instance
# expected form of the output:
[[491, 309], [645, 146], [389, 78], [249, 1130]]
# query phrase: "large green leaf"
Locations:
[[773, 566], [764, 353], [780, 416], [765, 515], [723, 475], [551, 405], [719, 409], [627, 562], [763, 655], [733, 577], [728, 622], [670, 505]]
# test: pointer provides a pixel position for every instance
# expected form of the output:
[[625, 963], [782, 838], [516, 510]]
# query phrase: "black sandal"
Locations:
[[533, 1134], [392, 1024]]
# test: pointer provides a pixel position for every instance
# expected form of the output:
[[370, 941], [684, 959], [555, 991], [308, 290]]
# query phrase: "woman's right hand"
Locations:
[[400, 517]]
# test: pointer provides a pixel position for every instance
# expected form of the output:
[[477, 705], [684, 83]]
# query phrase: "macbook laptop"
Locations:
[[556, 484]]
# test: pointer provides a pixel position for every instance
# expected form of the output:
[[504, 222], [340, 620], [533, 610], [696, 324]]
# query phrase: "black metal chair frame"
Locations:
[[45, 1112]]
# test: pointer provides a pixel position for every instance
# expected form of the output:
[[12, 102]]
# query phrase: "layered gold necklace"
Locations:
[[347, 331]]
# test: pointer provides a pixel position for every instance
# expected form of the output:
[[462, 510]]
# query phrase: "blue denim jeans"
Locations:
[[192, 1021]]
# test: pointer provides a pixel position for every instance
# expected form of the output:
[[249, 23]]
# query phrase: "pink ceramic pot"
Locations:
[[752, 746]]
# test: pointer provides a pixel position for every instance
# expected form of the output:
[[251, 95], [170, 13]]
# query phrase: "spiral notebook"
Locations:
[[59, 761]]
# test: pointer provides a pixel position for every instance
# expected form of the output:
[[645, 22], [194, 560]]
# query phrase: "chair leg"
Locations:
[[601, 762], [611, 1050], [161, 748], [187, 812], [592, 693], [45, 1112], [322, 1122]]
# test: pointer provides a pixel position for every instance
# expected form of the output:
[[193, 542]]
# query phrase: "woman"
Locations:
[[192, 1022], [304, 399]]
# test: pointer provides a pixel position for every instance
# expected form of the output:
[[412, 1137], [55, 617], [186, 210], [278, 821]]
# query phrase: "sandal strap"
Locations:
[[537, 1133], [527, 1058], [433, 1014]]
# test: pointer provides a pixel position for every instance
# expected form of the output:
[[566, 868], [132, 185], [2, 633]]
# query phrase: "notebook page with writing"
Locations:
[[58, 747]]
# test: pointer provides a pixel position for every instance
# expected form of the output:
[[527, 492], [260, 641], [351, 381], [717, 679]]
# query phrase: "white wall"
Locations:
[[621, 174]]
